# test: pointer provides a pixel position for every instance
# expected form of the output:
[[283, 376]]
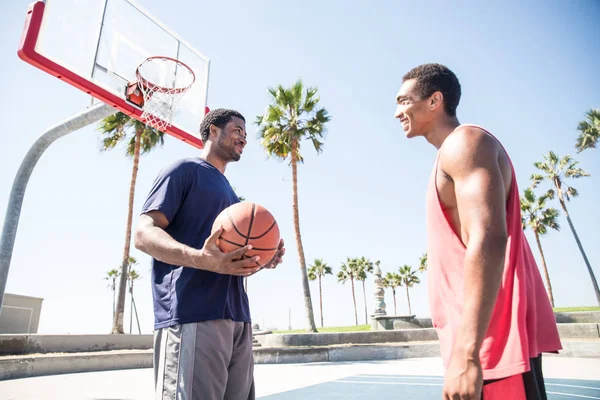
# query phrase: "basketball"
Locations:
[[248, 223]]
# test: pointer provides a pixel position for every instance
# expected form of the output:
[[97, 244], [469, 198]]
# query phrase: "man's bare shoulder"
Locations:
[[466, 148]]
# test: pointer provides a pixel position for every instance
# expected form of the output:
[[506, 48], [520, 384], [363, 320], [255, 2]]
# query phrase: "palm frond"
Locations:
[[423, 263], [151, 139], [318, 145], [112, 141], [529, 195], [536, 180], [552, 158], [130, 150], [576, 173], [550, 218], [281, 97], [549, 194], [571, 192], [296, 94], [589, 131], [310, 101], [566, 160]]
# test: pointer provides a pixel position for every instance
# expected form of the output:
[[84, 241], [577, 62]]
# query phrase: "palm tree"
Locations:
[[116, 129], [423, 263], [556, 170], [392, 280], [408, 278], [364, 267], [539, 219], [317, 271], [133, 276], [294, 115], [242, 198], [349, 271], [589, 131], [111, 276]]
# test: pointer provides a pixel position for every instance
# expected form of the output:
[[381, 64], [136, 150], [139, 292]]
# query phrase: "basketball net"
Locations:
[[163, 81]]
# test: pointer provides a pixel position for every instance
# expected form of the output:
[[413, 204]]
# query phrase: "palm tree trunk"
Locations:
[[118, 320], [354, 301], [408, 298], [394, 295], [307, 300], [114, 293], [131, 308], [365, 300], [587, 263], [550, 294], [321, 300], [137, 319]]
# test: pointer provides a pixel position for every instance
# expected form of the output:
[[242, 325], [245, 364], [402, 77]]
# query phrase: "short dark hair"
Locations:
[[431, 78], [218, 117]]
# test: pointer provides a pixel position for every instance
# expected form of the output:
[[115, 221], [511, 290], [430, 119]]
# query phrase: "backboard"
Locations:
[[97, 45]]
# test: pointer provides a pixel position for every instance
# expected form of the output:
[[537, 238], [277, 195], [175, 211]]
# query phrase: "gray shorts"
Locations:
[[209, 360]]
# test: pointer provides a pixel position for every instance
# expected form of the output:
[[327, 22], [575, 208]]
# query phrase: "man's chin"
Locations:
[[409, 134]]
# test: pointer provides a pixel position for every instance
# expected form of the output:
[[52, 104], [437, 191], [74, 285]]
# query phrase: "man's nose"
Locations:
[[398, 113]]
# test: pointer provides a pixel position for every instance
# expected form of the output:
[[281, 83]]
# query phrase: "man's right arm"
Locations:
[[151, 238]]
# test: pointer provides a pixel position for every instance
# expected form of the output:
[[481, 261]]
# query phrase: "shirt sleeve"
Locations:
[[169, 189]]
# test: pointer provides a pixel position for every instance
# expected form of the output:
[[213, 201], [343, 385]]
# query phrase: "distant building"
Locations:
[[20, 314]]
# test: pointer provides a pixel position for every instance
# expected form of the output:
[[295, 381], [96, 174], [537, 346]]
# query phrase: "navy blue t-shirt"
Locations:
[[191, 193]]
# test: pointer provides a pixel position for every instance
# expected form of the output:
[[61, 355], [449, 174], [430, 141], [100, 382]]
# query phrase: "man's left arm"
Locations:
[[471, 161]]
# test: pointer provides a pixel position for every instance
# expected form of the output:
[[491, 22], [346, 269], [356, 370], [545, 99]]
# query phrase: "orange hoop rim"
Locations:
[[156, 88]]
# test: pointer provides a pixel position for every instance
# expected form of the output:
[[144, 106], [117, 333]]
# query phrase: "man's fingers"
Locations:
[[247, 262], [245, 267], [212, 239], [239, 253]]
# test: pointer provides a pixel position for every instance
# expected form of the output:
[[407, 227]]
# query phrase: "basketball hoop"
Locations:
[[163, 81]]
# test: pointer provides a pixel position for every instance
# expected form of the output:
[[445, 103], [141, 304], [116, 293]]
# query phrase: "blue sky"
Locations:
[[528, 74]]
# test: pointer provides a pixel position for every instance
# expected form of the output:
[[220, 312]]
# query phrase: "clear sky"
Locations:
[[529, 72]]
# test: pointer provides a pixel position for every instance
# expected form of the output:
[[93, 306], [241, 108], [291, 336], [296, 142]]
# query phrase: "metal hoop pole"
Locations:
[[13, 211]]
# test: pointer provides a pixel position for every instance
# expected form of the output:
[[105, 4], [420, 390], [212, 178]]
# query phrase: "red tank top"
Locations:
[[522, 325]]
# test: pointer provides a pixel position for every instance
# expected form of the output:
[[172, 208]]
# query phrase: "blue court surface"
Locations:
[[416, 379], [367, 386]]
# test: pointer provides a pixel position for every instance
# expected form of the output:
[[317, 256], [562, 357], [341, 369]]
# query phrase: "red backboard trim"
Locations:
[[28, 54]]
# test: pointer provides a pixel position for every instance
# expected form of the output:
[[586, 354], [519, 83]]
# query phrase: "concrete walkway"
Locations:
[[31, 365]]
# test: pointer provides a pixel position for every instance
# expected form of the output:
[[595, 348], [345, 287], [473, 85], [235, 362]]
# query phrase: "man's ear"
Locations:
[[213, 131], [436, 100]]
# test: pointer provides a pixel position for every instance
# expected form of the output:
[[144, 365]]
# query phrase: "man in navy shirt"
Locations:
[[203, 334]]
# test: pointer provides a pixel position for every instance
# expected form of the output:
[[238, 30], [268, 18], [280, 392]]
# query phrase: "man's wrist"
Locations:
[[197, 258], [466, 349]]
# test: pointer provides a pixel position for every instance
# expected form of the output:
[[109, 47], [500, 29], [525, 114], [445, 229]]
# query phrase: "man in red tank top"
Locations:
[[486, 295]]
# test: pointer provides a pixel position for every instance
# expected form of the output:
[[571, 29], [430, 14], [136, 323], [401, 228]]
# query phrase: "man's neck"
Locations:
[[213, 159], [440, 130]]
